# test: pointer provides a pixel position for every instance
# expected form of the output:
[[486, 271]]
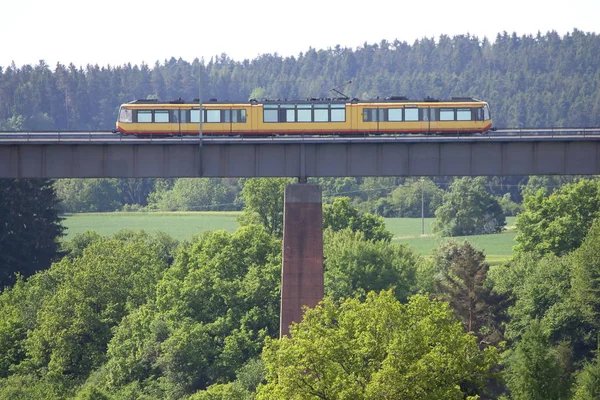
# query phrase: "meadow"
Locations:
[[183, 225]]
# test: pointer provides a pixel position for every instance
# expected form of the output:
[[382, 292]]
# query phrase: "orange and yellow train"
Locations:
[[393, 115]]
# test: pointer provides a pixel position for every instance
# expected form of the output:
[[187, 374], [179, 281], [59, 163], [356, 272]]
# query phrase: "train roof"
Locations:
[[337, 100]]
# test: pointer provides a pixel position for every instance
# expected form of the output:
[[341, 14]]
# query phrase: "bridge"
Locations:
[[101, 155], [97, 155]]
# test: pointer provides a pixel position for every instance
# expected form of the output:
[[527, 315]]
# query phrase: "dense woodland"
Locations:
[[533, 81], [143, 316]]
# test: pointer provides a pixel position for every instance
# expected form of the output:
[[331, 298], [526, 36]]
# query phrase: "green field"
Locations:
[[180, 225], [497, 247], [183, 225]]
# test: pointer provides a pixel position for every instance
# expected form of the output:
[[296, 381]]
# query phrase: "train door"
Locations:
[[229, 121], [425, 118], [256, 117], [354, 113], [434, 120], [178, 117], [370, 120]]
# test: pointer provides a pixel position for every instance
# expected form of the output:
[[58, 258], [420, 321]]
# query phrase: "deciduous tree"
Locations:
[[355, 266], [264, 199], [468, 209], [558, 223], [376, 349], [533, 371], [341, 215]]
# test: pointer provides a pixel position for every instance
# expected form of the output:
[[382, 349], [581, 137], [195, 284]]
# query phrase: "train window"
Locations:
[[486, 113], [478, 113], [287, 113], [424, 114], [338, 114], [447, 114], [144, 116], [195, 116], [367, 117], [270, 115], [161, 116], [395, 114], [304, 116], [226, 115], [290, 115], [238, 115], [125, 115], [411, 114], [175, 115], [213, 115], [321, 115], [370, 115], [463, 114], [304, 113]]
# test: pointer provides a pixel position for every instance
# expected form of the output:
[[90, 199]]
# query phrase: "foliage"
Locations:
[[135, 191], [558, 223], [539, 290], [376, 349], [509, 207], [213, 310], [587, 386], [88, 195], [559, 293], [101, 317], [59, 322], [532, 80], [341, 215], [468, 209], [355, 266], [462, 282], [264, 201], [249, 376], [29, 227], [550, 184], [74, 248], [585, 279], [408, 199], [74, 325], [198, 194], [335, 187], [533, 371]]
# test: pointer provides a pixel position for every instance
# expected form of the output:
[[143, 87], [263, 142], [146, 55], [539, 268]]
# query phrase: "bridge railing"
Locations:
[[103, 136]]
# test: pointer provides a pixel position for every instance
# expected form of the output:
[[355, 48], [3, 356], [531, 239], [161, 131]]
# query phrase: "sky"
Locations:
[[116, 32]]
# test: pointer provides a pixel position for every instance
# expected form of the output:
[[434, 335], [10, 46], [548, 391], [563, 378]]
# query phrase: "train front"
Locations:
[[125, 116], [487, 118]]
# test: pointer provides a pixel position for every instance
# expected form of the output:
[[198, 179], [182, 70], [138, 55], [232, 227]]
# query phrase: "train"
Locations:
[[324, 116]]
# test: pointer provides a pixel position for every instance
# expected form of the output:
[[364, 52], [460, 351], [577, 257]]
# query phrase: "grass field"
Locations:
[[183, 225], [180, 225], [497, 248]]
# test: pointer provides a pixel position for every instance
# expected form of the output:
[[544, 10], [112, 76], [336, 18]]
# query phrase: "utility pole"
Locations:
[[200, 115], [422, 209]]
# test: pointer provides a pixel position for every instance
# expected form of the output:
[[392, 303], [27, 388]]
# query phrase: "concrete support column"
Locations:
[[302, 271]]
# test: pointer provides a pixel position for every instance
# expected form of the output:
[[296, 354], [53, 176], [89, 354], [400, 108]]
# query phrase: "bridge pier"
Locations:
[[302, 270]]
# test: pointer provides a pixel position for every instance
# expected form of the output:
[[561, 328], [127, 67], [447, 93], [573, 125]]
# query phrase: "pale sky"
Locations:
[[116, 32]]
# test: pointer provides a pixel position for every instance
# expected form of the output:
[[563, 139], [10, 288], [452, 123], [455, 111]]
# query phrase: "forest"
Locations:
[[140, 315], [529, 81]]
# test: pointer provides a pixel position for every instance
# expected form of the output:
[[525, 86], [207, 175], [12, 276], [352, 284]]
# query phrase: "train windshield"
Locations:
[[125, 115], [486, 113]]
